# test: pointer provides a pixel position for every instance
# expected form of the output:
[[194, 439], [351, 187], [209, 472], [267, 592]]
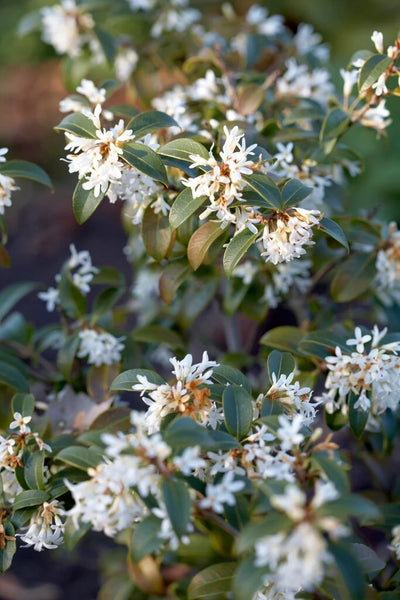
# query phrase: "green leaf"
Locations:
[[25, 170], [238, 411], [30, 498], [264, 187], [352, 505], [13, 377], [156, 334], [371, 70], [201, 241], [72, 301], [123, 110], [149, 122], [79, 457], [322, 343], [270, 525], [335, 124], [145, 538], [66, 355], [84, 202], [212, 583], [225, 374], [7, 554], [334, 231], [280, 363], [107, 43], [126, 380], [178, 504], [286, 338], [183, 432], [23, 403], [184, 206], [357, 417], [109, 276], [78, 124], [349, 570], [173, 276], [33, 471], [145, 160], [113, 420], [12, 294], [177, 154], [353, 277], [236, 249], [105, 302], [247, 579], [294, 192], [368, 559], [156, 233], [333, 471]]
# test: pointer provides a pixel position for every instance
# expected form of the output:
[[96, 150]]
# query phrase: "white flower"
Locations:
[[292, 502], [286, 234], [7, 185], [51, 297], [395, 545], [125, 63], [308, 42], [289, 431], [221, 493], [100, 348], [3, 152], [377, 38], [20, 423], [66, 27], [91, 92], [380, 85], [190, 461], [359, 340], [377, 117], [387, 280], [350, 79], [46, 527], [246, 271]]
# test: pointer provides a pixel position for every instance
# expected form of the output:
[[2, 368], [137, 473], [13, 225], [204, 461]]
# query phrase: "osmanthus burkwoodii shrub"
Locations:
[[229, 162]]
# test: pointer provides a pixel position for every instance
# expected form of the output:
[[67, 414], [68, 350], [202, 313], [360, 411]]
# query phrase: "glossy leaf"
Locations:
[[358, 417], [237, 248], [173, 276], [126, 380], [156, 233], [285, 338], [349, 570], [334, 231], [225, 374], [107, 43], [353, 277], [371, 70], [145, 160], [280, 363], [178, 504], [184, 206], [238, 411], [84, 202], [177, 154], [30, 498], [79, 457], [78, 124], [149, 122], [145, 538], [33, 471], [7, 553], [322, 343], [12, 294], [13, 377], [247, 579], [25, 170], [264, 187], [293, 192], [335, 124], [23, 403]]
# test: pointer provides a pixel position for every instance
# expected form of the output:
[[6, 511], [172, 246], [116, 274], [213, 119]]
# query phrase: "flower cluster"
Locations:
[[7, 185], [100, 348], [387, 280], [188, 396], [46, 527], [80, 269], [371, 375], [223, 181], [286, 233]]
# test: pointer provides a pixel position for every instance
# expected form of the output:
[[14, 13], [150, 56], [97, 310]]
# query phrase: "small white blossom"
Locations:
[[20, 423], [100, 348], [46, 527], [285, 235], [221, 493], [377, 38]]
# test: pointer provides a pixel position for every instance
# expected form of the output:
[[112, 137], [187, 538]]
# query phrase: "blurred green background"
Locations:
[[346, 25]]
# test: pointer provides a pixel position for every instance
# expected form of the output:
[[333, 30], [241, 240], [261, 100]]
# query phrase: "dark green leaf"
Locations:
[[353, 277], [335, 124], [357, 417], [178, 504], [238, 411], [145, 160], [107, 43], [33, 471], [30, 498], [105, 302], [13, 377], [371, 70], [149, 122], [213, 583], [368, 559], [294, 192], [145, 538], [225, 374], [247, 579], [184, 206], [322, 343], [113, 420], [284, 338], [236, 249], [84, 202], [66, 355], [333, 471], [264, 187], [79, 457], [334, 231], [26, 170], [78, 124], [280, 363], [72, 534], [126, 380], [12, 294], [177, 153], [23, 403], [184, 432], [253, 531], [349, 570]]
